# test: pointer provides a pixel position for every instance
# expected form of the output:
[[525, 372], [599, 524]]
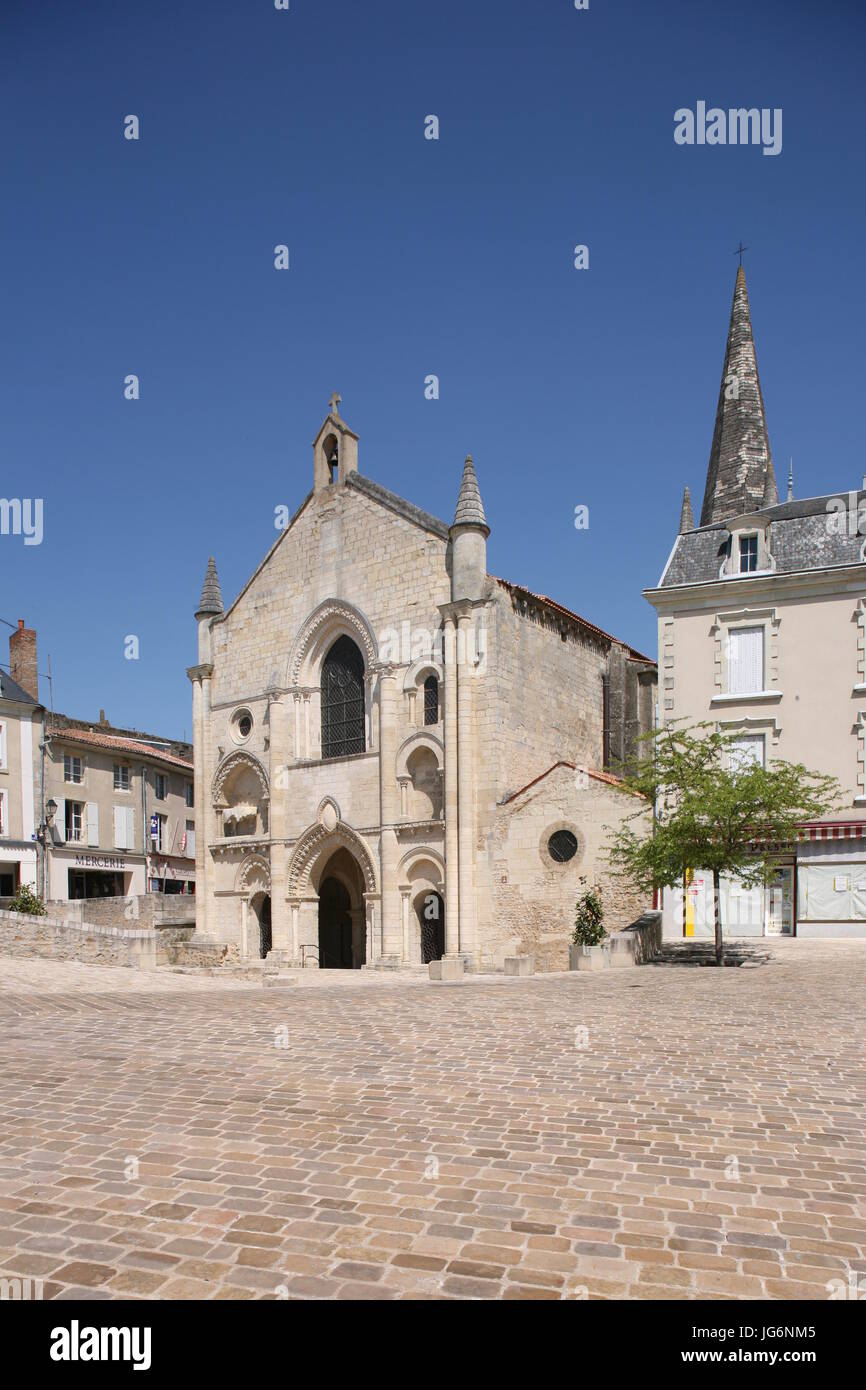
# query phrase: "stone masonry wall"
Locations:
[[56, 939], [141, 910], [534, 897]]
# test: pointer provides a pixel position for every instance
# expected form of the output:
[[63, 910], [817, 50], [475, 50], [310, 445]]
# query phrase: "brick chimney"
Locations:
[[22, 659]]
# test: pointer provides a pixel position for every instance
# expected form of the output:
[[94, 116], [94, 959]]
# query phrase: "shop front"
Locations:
[[171, 873], [820, 891], [76, 875]]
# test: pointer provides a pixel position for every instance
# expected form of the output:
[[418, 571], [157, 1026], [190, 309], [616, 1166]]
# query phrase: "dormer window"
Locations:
[[746, 549], [748, 553]]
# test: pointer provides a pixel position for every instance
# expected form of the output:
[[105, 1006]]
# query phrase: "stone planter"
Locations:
[[519, 965], [589, 957]]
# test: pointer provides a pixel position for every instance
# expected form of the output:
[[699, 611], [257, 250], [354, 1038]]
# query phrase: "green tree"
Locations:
[[25, 900], [711, 810]]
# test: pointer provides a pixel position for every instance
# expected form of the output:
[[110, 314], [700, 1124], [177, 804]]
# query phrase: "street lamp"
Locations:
[[43, 837]]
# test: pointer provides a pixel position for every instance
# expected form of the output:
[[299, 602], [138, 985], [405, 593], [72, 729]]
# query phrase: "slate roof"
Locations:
[[800, 539], [11, 690]]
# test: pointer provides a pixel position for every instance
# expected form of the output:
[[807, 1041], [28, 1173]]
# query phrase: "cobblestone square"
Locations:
[[663, 1132]]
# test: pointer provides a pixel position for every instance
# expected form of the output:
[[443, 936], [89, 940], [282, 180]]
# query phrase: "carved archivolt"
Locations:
[[331, 618], [314, 842], [229, 765], [253, 874]]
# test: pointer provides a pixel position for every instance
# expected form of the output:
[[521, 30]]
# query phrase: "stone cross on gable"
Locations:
[[334, 402]]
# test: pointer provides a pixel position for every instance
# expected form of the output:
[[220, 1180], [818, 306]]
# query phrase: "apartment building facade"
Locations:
[[20, 736], [87, 809], [762, 631], [123, 818]]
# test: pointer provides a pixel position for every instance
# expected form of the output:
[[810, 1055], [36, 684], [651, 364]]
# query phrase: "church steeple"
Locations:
[[740, 457]]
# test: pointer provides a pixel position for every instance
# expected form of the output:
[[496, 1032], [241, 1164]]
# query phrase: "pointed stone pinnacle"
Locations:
[[687, 520], [211, 595], [771, 491], [470, 508]]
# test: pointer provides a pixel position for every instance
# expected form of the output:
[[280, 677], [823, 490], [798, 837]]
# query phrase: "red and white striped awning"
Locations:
[[833, 830]]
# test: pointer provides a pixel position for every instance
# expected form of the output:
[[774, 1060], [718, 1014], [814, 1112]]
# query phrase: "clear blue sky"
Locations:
[[408, 257]]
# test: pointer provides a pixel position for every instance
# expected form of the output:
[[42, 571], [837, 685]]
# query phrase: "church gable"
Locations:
[[351, 541]]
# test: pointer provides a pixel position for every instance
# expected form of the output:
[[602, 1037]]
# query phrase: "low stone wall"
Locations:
[[639, 942], [142, 910], [57, 939], [176, 947]]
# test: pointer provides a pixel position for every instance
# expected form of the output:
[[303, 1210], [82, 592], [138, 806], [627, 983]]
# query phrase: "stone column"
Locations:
[[308, 931], [465, 779], [278, 750], [404, 915], [295, 908], [374, 946], [200, 676], [389, 805], [452, 938]]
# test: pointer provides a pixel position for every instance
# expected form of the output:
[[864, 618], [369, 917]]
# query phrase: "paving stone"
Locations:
[[304, 1172]]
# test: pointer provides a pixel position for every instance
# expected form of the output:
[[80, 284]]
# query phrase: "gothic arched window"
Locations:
[[343, 700], [431, 700]]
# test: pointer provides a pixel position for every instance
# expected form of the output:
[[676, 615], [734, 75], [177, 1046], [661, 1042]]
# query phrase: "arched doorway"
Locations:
[[335, 926], [261, 906], [431, 919]]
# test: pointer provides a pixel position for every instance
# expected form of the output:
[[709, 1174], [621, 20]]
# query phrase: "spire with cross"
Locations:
[[740, 249]]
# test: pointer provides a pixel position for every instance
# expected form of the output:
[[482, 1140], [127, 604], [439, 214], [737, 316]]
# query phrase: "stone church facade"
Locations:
[[397, 755]]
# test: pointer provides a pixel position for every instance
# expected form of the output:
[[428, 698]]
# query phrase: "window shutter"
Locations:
[[190, 844], [130, 827], [59, 822], [120, 828], [92, 823], [3, 825], [746, 660]]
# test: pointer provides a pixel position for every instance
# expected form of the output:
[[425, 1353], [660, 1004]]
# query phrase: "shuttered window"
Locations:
[[745, 660], [124, 827], [92, 823]]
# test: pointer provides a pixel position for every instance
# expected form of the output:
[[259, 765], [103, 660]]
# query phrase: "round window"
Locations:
[[562, 846], [242, 725]]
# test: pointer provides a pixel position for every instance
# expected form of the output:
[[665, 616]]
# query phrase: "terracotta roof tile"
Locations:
[[119, 745]]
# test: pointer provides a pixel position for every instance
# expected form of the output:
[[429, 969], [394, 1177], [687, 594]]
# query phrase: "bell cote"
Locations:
[[335, 450]]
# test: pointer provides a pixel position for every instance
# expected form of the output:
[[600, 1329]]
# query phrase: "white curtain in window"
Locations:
[[745, 660]]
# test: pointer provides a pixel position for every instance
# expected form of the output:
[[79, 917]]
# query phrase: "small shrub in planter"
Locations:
[[588, 918], [25, 900], [589, 950]]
